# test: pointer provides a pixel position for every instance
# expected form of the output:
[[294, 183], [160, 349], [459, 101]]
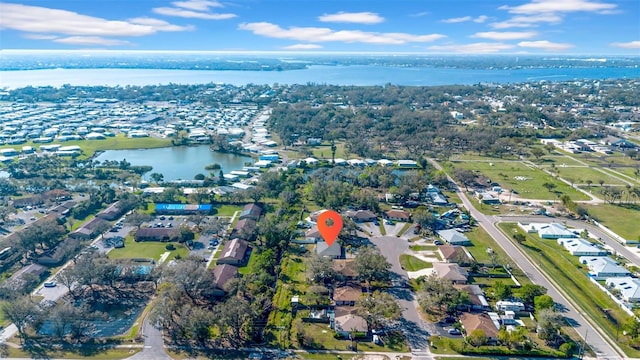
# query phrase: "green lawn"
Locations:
[[83, 352], [226, 210], [621, 220], [324, 151], [323, 338], [412, 263], [581, 175], [505, 173], [118, 142], [423, 247], [146, 249], [481, 241]]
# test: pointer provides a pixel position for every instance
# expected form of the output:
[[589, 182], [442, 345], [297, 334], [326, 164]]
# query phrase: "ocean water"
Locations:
[[361, 75]]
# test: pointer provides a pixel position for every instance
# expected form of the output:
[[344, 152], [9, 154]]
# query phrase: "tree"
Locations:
[[632, 326], [549, 186], [465, 176], [528, 292], [20, 312], [477, 338], [543, 302], [502, 291], [156, 177], [234, 319], [380, 309], [549, 322], [537, 152], [372, 265], [320, 270], [137, 218]]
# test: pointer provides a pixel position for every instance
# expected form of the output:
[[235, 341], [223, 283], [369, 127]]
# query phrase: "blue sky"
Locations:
[[421, 26]]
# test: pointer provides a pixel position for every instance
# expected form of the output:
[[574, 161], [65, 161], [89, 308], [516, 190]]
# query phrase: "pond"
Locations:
[[178, 162]]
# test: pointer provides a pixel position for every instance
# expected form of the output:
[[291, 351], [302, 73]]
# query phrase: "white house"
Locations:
[[629, 288], [548, 231], [603, 267], [453, 237], [581, 247]]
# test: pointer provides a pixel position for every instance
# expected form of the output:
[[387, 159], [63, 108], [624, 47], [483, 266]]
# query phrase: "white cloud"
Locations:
[[560, 6], [316, 34], [357, 18], [302, 47], [160, 25], [39, 36], [197, 5], [527, 21], [47, 21], [178, 12], [474, 48], [90, 40], [627, 45], [480, 19], [457, 20], [545, 45], [501, 36], [420, 14]]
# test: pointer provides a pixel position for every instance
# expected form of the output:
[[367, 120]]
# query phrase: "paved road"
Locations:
[[596, 339], [414, 328], [153, 344]]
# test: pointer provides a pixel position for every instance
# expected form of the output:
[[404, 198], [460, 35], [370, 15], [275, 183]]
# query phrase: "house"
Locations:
[[19, 279], [251, 211], [454, 237], [347, 295], [516, 306], [235, 252], [603, 267], [407, 164], [437, 199], [581, 247], [455, 254], [345, 269], [477, 299], [313, 235], [333, 252], [548, 231], [483, 322], [451, 272], [112, 212], [59, 253], [91, 229], [486, 198], [157, 234], [344, 325], [398, 215], [244, 229], [222, 274], [628, 287], [360, 216]]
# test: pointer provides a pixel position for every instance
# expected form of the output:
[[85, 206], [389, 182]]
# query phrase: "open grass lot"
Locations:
[[146, 249], [323, 338], [118, 142], [324, 151], [226, 210], [481, 241], [557, 160], [571, 277], [581, 175], [505, 172], [621, 220], [629, 171], [412, 263]]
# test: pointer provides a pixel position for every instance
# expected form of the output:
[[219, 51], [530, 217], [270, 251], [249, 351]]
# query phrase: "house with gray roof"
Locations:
[[628, 287], [603, 267], [581, 247], [333, 252], [454, 237]]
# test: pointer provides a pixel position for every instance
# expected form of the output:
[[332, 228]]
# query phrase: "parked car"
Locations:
[[454, 332], [50, 284]]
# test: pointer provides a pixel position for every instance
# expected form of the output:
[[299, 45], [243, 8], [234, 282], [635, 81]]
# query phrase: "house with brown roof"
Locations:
[[112, 212], [345, 324], [397, 215], [90, 229], [450, 271], [235, 252], [313, 235], [483, 322], [345, 269], [244, 229], [360, 216], [251, 211], [347, 295], [222, 274], [157, 234], [455, 254]]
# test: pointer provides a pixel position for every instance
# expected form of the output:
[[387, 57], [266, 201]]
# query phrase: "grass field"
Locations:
[[481, 241], [324, 151], [226, 210], [558, 160], [581, 175], [412, 263], [505, 174], [118, 142], [621, 220], [146, 249]]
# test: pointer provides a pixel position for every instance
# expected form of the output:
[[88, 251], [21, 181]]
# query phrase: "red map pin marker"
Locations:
[[329, 232]]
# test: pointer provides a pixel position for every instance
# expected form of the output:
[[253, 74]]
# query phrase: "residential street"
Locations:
[[153, 344]]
